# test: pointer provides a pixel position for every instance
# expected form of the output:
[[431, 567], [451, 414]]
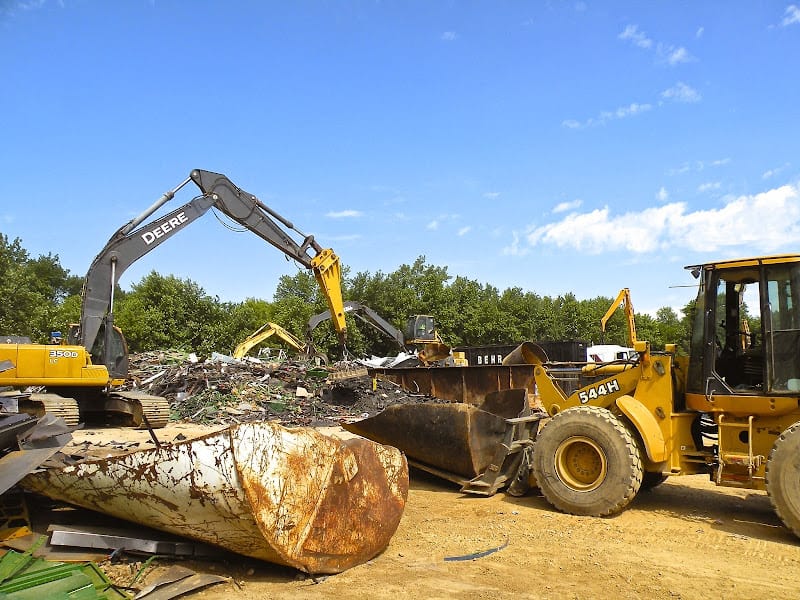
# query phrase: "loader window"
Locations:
[[738, 356], [782, 327]]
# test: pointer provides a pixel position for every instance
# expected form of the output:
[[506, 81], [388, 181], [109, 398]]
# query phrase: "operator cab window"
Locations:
[[755, 330], [738, 358], [782, 327]]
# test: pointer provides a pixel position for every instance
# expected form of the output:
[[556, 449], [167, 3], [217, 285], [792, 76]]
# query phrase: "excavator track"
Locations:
[[131, 409], [155, 409], [53, 404]]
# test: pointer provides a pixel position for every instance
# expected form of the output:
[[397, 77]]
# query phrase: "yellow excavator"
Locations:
[[623, 299], [81, 377], [729, 410], [269, 329]]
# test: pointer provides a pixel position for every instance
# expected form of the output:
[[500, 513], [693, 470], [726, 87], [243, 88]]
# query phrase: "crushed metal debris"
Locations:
[[222, 390]]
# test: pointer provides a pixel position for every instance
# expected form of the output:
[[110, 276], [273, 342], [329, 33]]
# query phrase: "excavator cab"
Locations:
[[111, 350], [746, 334]]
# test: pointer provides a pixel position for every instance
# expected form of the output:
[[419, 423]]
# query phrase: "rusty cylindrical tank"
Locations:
[[294, 497]]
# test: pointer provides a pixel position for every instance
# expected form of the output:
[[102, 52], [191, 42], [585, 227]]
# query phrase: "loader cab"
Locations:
[[746, 332], [420, 328]]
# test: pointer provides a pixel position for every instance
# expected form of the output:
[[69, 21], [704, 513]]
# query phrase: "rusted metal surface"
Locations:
[[457, 438], [527, 353], [289, 496], [464, 384]]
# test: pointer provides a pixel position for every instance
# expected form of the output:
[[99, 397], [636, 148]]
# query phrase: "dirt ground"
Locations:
[[685, 539]]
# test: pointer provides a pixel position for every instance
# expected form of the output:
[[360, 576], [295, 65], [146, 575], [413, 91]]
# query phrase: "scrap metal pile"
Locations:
[[221, 390]]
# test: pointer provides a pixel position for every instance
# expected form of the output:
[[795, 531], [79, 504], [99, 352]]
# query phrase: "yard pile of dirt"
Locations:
[[221, 390]]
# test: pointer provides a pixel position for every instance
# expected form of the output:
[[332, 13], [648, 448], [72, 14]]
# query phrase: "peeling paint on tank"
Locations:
[[291, 496]]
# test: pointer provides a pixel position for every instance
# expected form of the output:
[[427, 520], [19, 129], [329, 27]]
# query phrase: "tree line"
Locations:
[[167, 312]]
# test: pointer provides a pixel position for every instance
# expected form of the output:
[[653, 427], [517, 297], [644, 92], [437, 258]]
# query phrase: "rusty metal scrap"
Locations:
[[294, 497], [292, 392]]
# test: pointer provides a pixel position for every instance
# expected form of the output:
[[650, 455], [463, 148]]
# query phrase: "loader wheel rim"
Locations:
[[581, 464]]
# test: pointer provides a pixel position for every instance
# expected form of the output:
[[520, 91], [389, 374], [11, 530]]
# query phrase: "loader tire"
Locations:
[[783, 478], [587, 463]]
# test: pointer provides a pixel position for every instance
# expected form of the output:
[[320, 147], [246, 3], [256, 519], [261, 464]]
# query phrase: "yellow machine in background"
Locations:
[[421, 332], [623, 299], [268, 330]]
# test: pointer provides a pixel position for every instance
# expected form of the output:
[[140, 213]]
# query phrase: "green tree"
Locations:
[[32, 291], [167, 312]]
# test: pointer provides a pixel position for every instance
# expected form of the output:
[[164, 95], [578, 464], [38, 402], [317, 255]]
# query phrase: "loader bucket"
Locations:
[[455, 438], [527, 353], [433, 351]]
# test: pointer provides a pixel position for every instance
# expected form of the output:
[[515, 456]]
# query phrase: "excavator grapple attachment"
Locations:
[[480, 447]]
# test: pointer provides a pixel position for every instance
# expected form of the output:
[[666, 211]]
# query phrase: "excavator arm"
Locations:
[[135, 239], [265, 331], [624, 297], [367, 315]]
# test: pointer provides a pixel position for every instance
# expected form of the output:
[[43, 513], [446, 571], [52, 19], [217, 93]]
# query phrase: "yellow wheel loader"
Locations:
[[731, 409], [85, 372]]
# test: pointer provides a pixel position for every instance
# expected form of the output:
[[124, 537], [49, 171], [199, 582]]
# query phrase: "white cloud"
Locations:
[[769, 173], [662, 195], [628, 111], [514, 248], [666, 53], [676, 56], [699, 33], [637, 38], [604, 117], [449, 36], [656, 229], [698, 166], [680, 92], [491, 195], [344, 214], [791, 16], [566, 206], [432, 225], [464, 230], [708, 186]]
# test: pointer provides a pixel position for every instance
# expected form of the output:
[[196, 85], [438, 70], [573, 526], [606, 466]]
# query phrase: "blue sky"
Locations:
[[556, 146]]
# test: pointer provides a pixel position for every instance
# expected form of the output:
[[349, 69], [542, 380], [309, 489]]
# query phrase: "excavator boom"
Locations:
[[138, 237], [624, 297]]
